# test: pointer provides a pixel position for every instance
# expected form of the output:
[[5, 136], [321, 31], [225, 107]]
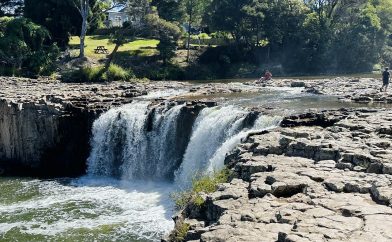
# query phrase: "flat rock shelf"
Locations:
[[320, 181]]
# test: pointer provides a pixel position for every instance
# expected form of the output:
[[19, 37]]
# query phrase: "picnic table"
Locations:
[[101, 50]]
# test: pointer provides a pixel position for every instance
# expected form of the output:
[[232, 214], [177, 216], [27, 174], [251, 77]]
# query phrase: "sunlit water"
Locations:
[[84, 209]]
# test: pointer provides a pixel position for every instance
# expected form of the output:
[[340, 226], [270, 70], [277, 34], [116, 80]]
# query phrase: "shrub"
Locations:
[[200, 184], [96, 74], [117, 73], [180, 232], [23, 48]]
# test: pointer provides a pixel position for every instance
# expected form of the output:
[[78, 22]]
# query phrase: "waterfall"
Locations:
[[123, 144], [141, 142], [216, 132]]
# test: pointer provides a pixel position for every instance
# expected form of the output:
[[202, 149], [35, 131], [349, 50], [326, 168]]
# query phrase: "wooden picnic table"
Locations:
[[101, 50]]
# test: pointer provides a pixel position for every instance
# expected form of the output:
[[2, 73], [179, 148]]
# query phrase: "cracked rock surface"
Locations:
[[305, 183]]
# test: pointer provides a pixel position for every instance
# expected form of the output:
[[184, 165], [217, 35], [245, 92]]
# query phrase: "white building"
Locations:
[[117, 17]]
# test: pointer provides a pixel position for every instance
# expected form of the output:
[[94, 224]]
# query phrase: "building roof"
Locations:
[[117, 9]]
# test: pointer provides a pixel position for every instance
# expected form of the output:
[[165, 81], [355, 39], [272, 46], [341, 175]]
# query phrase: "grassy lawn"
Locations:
[[142, 47]]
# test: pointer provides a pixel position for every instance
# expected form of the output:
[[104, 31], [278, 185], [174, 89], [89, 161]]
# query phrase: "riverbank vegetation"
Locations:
[[196, 39], [200, 185]]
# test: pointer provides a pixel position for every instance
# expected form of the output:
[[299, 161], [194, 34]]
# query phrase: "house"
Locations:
[[117, 16]]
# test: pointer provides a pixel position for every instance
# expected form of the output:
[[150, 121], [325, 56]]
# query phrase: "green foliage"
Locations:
[[169, 10], [43, 62], [167, 33], [11, 7], [180, 232], [23, 49], [167, 71], [117, 73], [200, 184], [306, 36], [60, 17], [96, 74]]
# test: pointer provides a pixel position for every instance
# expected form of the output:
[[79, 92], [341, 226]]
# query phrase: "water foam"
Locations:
[[124, 146], [137, 209], [216, 132]]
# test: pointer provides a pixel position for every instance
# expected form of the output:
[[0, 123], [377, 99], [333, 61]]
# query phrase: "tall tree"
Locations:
[[137, 10], [194, 10], [90, 11], [230, 16], [22, 45], [60, 17], [11, 7], [169, 10]]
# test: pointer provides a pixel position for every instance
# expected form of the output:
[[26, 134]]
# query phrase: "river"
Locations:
[[132, 170]]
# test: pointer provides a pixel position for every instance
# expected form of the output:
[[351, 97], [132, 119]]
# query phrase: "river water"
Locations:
[[132, 170]]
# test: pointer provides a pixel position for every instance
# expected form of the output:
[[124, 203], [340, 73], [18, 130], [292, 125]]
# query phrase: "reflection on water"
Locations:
[[85, 209]]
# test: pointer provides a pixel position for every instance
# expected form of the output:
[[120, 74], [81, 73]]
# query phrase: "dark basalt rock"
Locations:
[[323, 119]]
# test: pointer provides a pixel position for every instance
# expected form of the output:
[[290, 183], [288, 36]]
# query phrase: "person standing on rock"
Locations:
[[385, 79]]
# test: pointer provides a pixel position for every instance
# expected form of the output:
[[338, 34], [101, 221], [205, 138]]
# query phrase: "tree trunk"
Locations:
[[189, 32], [110, 58], [82, 38], [84, 11]]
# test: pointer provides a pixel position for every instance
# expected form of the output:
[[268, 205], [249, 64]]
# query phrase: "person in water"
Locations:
[[385, 79], [267, 77]]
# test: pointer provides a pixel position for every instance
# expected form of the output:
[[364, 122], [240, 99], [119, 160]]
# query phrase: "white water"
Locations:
[[122, 146], [88, 209], [126, 194], [216, 132], [216, 163]]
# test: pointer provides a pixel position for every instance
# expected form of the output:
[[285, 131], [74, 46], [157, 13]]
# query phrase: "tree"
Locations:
[[167, 33], [256, 10], [90, 11], [137, 10], [11, 7], [230, 16], [169, 10], [60, 17], [22, 44], [194, 10]]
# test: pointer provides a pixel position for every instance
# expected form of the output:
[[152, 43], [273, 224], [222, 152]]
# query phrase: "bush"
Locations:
[[180, 232], [96, 74], [201, 184], [117, 73], [23, 48]]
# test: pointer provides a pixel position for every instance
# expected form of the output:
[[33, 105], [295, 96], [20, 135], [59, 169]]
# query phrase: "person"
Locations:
[[385, 79], [267, 76]]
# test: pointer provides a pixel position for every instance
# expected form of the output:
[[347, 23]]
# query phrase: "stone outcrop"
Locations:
[[45, 125], [356, 90], [305, 183]]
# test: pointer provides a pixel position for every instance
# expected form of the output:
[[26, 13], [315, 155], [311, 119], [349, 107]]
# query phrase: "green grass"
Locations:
[[97, 74], [144, 47], [200, 184]]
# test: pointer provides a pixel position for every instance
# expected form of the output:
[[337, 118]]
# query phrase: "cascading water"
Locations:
[[216, 132], [140, 143], [124, 146], [140, 154]]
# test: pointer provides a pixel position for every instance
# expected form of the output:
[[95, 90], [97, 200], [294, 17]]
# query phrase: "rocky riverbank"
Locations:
[[319, 177], [45, 125], [359, 90]]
